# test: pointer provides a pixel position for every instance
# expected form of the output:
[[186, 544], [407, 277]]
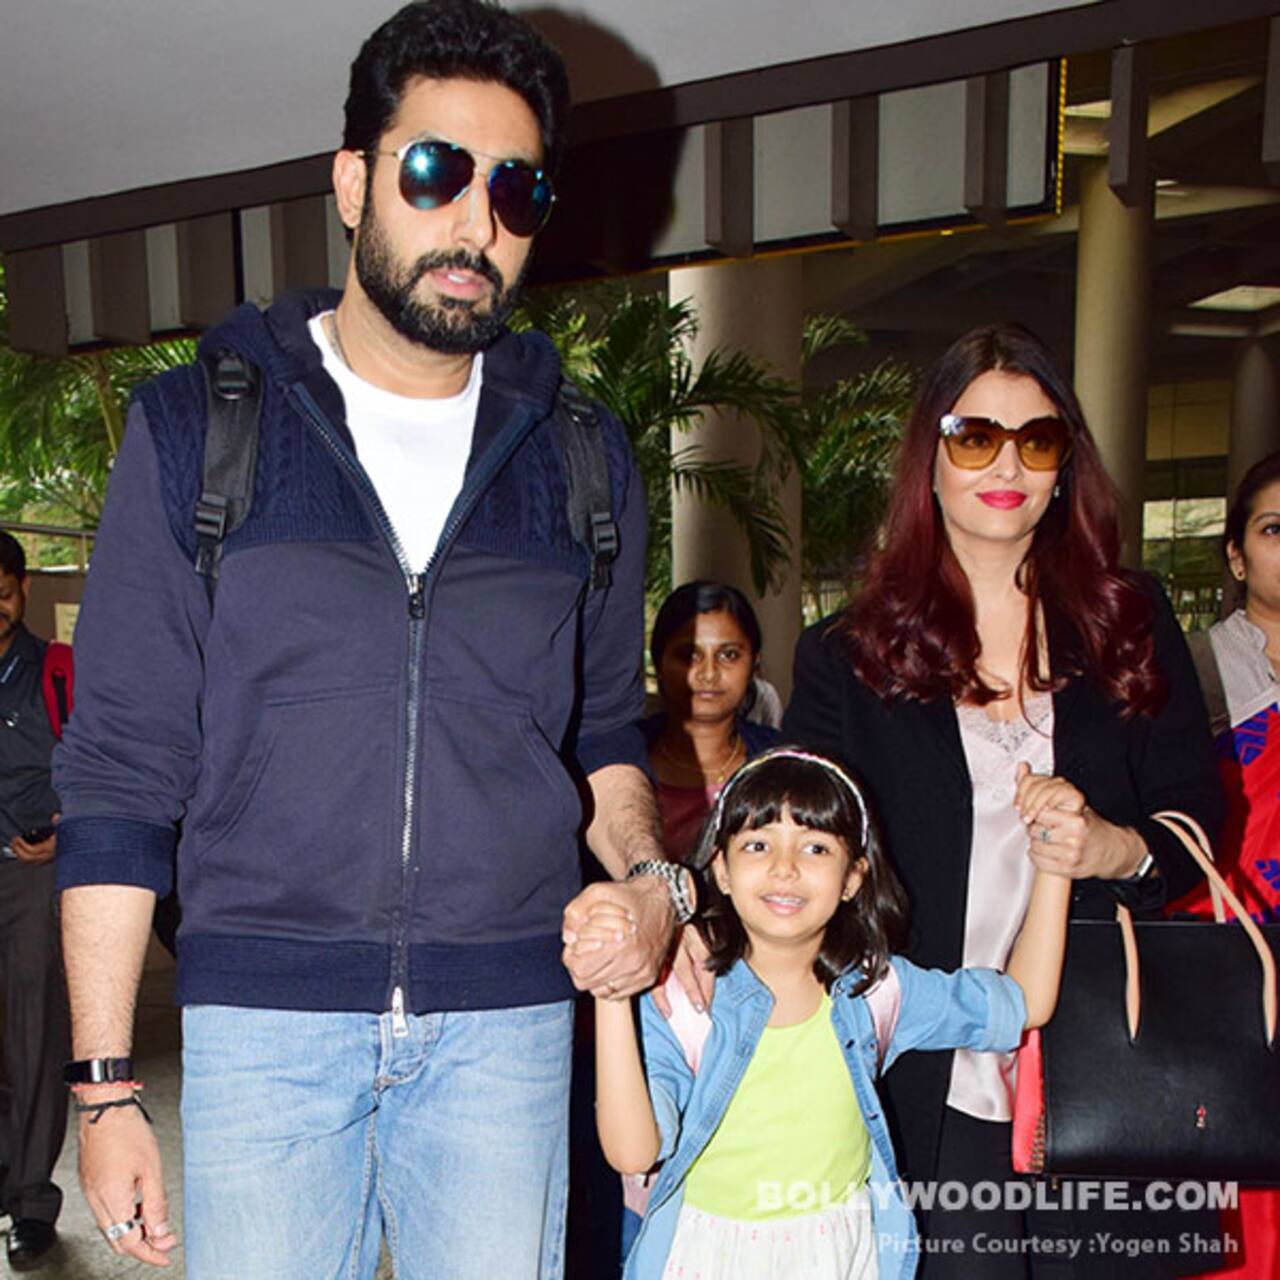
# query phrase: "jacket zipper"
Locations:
[[420, 588], [414, 584]]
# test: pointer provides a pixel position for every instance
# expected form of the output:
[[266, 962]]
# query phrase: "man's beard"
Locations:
[[452, 326]]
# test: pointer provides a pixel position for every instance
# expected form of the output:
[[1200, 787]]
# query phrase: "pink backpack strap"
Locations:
[[884, 1000], [690, 1027]]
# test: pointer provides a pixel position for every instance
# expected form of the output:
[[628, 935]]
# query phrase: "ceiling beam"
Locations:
[[118, 287], [986, 147], [37, 300], [934, 60], [757, 91], [1128, 171], [1271, 104], [730, 213], [855, 167]]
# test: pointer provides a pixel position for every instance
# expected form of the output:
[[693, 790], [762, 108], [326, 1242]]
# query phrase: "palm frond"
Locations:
[[824, 331]]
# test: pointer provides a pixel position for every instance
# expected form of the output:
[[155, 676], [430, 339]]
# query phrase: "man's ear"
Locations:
[[350, 173]]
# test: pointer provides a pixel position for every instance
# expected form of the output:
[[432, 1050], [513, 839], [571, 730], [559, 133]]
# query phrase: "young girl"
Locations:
[[774, 1158]]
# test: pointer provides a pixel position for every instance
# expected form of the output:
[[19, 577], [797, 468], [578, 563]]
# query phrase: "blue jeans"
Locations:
[[308, 1136]]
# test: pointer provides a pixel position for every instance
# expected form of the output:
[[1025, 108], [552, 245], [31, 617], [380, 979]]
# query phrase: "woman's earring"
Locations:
[[1057, 490]]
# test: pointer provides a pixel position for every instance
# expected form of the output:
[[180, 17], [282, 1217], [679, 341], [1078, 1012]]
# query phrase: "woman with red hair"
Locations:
[[1015, 699]]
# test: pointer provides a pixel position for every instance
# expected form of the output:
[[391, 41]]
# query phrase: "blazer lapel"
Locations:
[[940, 716], [1066, 717]]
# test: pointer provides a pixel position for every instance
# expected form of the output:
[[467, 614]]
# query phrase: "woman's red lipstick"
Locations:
[[1005, 499]]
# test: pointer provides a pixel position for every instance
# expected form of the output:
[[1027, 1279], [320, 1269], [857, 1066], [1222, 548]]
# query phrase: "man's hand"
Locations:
[[41, 851], [690, 967], [122, 1178], [637, 918], [34, 853]]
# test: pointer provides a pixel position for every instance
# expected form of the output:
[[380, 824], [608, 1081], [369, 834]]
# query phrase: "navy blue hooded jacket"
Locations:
[[377, 772]]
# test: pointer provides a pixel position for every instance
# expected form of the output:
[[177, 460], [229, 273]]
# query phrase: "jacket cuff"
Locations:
[[667, 1114], [624, 745], [1006, 1013], [1178, 874], [116, 851]]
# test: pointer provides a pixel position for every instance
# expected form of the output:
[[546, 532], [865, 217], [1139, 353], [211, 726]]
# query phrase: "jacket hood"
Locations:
[[523, 366]]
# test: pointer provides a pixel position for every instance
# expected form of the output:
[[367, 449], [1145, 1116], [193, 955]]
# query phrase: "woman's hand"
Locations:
[[1067, 837]]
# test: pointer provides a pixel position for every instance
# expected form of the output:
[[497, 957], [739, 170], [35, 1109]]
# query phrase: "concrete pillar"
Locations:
[[1113, 318], [1255, 410], [754, 307]]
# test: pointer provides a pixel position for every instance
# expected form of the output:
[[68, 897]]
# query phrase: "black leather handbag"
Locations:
[[1161, 1060]]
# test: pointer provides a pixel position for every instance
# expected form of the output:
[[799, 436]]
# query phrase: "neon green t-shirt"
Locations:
[[793, 1139]]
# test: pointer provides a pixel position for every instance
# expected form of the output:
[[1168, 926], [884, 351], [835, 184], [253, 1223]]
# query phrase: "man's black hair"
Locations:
[[13, 559], [455, 39]]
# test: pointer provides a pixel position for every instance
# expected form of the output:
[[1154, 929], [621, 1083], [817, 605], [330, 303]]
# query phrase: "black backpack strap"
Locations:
[[234, 404], [590, 505]]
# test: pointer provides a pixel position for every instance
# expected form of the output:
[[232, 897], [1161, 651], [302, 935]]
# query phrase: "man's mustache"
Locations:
[[458, 260]]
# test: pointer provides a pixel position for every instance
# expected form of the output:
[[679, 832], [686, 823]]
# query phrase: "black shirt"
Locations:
[[27, 797]]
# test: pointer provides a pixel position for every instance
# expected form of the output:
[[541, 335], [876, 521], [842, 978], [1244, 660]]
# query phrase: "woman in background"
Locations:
[[705, 650], [1239, 664]]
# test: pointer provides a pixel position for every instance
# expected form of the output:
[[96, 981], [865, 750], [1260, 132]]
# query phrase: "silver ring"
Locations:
[[1046, 836], [118, 1230]]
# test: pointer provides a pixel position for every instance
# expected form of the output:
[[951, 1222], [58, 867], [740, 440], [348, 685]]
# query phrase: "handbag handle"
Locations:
[[1196, 843]]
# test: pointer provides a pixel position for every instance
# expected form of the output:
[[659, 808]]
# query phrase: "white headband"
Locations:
[[793, 753]]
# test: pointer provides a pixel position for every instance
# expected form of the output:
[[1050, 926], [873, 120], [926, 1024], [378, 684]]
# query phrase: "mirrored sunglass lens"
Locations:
[[434, 173], [521, 196]]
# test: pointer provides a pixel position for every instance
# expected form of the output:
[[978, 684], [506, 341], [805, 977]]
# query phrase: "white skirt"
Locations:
[[838, 1243]]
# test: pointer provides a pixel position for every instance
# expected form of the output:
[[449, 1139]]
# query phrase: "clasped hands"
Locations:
[[618, 935], [1067, 837]]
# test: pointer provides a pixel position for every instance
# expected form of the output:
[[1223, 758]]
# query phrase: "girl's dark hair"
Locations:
[[1257, 478], [864, 931], [462, 39], [911, 631], [702, 596]]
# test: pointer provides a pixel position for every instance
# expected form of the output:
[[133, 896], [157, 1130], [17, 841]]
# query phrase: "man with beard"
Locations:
[[33, 1122], [372, 731]]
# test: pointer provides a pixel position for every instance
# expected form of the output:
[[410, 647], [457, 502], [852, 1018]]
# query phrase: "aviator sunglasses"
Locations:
[[1043, 444], [435, 173]]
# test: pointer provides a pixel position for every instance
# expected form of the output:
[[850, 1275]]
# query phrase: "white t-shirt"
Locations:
[[414, 450]]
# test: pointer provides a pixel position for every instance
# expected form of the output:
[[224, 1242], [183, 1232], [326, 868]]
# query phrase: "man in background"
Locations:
[[33, 1122]]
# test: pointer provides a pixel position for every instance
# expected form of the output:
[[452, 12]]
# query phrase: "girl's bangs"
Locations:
[[814, 797]]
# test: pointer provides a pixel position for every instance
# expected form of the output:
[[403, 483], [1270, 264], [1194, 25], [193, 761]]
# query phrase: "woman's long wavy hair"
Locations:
[[911, 630]]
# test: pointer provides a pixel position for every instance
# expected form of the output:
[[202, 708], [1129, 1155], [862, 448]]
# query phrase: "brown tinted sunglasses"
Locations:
[[1043, 444]]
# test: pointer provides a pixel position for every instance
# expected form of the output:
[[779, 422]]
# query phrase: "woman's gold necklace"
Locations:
[[736, 745]]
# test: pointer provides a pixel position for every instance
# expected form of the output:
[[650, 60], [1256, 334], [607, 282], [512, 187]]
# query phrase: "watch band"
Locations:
[[678, 880], [98, 1071], [1144, 868]]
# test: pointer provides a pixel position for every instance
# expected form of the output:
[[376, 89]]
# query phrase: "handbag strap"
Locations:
[[1191, 834]]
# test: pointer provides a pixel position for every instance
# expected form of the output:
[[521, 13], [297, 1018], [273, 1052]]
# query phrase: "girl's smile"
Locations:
[[786, 881]]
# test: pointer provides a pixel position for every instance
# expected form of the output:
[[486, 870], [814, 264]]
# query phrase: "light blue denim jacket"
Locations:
[[972, 1008]]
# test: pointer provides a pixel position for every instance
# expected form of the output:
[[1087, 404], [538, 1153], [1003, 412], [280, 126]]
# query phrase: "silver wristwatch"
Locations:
[[679, 881]]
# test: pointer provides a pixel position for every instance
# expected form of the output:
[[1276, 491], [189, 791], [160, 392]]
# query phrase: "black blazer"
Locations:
[[911, 757]]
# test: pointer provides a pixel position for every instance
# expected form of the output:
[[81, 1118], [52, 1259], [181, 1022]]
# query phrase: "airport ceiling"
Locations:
[[111, 112]]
